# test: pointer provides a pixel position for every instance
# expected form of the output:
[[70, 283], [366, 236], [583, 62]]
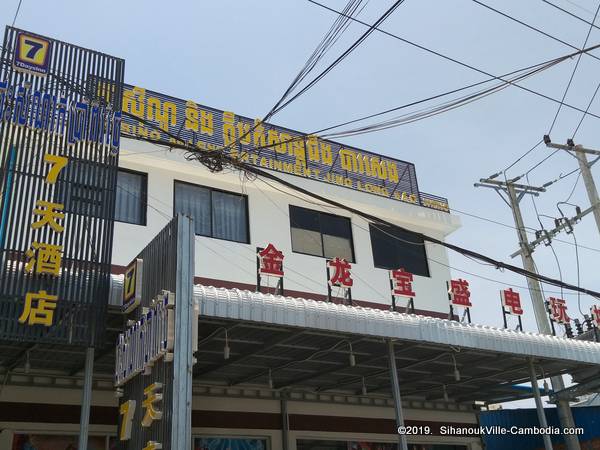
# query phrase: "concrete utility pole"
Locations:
[[514, 194], [581, 153]]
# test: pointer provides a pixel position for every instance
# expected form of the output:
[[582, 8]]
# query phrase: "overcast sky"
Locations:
[[240, 56]]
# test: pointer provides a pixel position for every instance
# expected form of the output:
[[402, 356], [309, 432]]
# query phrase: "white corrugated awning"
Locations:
[[295, 343], [297, 312]]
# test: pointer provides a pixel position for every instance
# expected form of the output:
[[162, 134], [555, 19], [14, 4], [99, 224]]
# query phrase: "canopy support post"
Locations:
[[402, 444]]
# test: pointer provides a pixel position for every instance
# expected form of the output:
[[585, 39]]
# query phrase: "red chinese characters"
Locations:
[[459, 293], [558, 310], [271, 261], [401, 283], [511, 302], [341, 277], [595, 312]]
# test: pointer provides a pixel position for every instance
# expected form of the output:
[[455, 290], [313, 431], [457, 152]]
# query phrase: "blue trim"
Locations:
[[7, 193]]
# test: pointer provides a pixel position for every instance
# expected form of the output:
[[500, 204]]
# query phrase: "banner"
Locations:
[[271, 147]]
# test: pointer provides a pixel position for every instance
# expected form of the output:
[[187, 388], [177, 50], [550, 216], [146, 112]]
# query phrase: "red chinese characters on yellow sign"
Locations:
[[43, 258]]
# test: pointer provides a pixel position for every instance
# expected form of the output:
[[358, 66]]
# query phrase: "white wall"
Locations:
[[269, 222]]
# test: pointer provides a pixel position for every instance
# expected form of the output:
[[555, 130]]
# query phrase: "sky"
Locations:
[[240, 56]]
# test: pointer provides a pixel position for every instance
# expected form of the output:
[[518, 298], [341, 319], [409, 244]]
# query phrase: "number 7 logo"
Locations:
[[32, 54]]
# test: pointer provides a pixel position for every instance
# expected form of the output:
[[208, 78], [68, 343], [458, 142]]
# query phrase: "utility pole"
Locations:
[[581, 153], [512, 194]]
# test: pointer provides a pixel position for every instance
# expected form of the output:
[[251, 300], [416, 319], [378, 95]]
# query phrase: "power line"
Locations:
[[531, 27], [435, 261], [586, 110], [456, 61], [331, 37], [573, 73], [556, 151], [577, 5], [307, 200], [17, 12], [521, 157], [566, 89], [571, 14], [578, 272], [340, 58], [216, 161]]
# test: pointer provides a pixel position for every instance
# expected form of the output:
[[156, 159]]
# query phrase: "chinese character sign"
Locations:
[[511, 302], [340, 273], [558, 310], [271, 261], [401, 283], [44, 258], [59, 151], [595, 315], [459, 293]]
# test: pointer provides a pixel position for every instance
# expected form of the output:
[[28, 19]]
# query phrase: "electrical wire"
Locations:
[[216, 161], [578, 272], [441, 55], [571, 14], [216, 242], [340, 58], [531, 27], [522, 156], [586, 110], [286, 214], [546, 158], [245, 270], [549, 63], [335, 31], [17, 13], [432, 111], [573, 73], [384, 231], [577, 5], [573, 189], [543, 229]]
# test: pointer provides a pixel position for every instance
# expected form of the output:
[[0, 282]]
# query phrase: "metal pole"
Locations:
[[86, 402], [590, 185], [539, 308], [285, 422], [402, 444], [539, 406], [181, 436]]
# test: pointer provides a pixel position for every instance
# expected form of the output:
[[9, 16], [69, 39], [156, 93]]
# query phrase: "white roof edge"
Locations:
[[299, 312]]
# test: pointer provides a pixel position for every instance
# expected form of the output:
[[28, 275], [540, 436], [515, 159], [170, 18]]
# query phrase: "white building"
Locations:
[[327, 401]]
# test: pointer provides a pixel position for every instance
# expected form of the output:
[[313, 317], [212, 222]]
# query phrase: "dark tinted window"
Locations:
[[218, 214], [320, 234], [394, 249], [83, 188], [130, 203]]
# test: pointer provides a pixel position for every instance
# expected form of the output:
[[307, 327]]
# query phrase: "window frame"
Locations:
[[64, 193], [290, 206], [144, 198], [428, 275], [211, 190]]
